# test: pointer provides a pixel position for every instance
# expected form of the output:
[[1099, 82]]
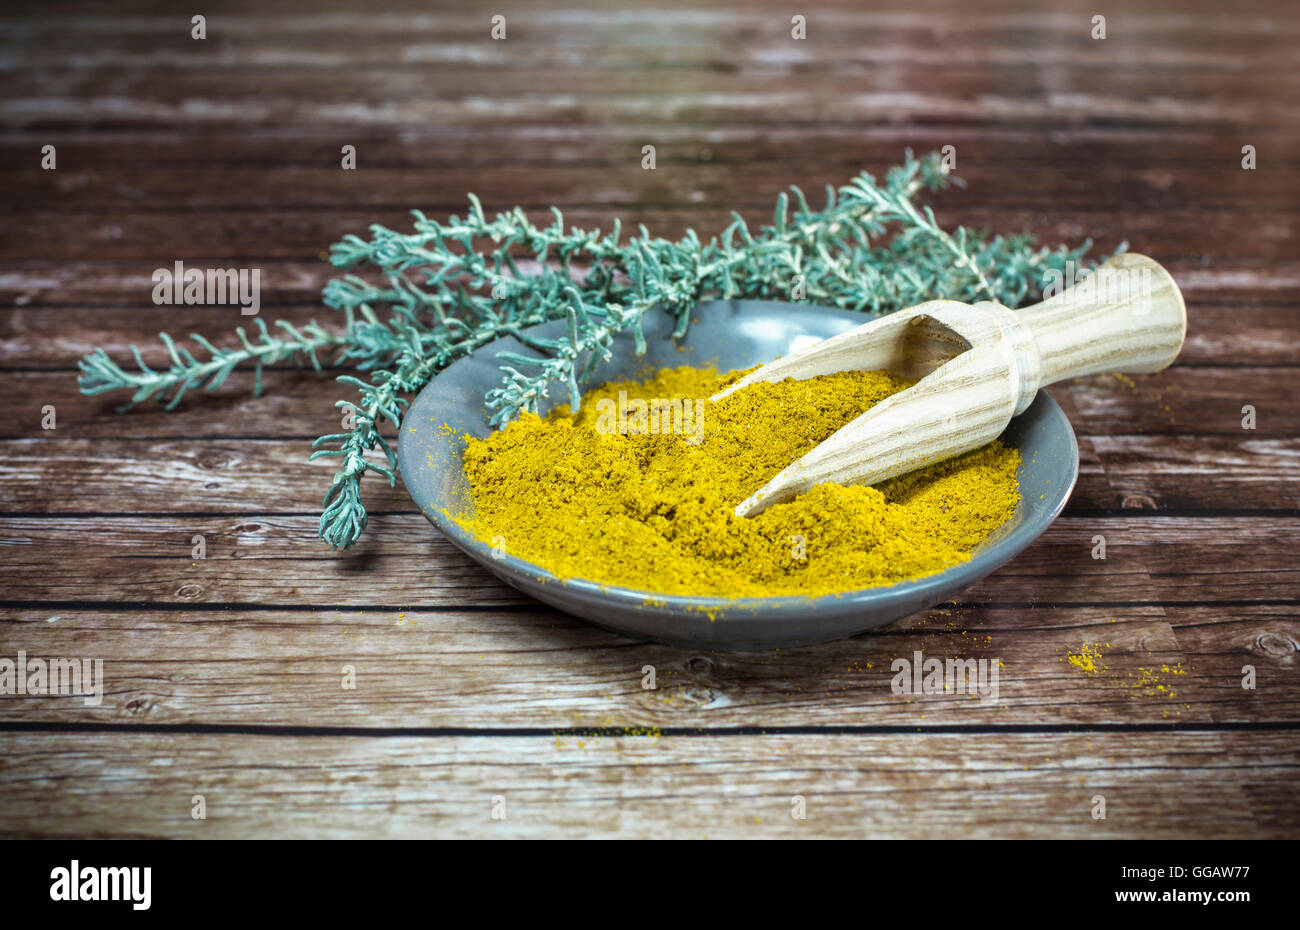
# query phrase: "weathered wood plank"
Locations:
[[126, 283], [829, 105], [1191, 473], [157, 238], [1171, 17], [268, 560], [1221, 641], [681, 59], [1240, 333], [56, 338], [540, 668], [256, 559], [622, 184], [229, 470], [1185, 22], [295, 404], [1181, 400], [1156, 785], [224, 238], [491, 72], [149, 475], [705, 42], [1248, 559], [1157, 156], [1184, 404], [1185, 473]]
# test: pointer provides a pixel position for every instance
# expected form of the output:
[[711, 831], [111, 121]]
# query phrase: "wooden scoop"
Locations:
[[978, 365]]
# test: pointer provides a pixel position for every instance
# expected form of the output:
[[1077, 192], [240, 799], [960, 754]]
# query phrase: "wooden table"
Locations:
[[224, 674]]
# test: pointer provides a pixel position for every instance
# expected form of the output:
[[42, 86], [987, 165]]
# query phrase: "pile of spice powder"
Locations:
[[654, 511]]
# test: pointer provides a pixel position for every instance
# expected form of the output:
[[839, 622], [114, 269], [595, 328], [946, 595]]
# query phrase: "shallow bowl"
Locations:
[[728, 335]]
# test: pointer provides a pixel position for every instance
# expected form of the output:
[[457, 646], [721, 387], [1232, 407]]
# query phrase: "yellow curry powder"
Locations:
[[654, 511]]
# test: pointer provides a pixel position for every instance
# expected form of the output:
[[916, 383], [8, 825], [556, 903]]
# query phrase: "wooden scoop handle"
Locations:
[[1127, 316]]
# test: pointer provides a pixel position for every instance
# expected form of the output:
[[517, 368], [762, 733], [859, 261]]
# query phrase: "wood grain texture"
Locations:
[[107, 282], [1244, 333], [223, 674], [496, 670], [239, 469], [1157, 785], [277, 559], [1202, 401]]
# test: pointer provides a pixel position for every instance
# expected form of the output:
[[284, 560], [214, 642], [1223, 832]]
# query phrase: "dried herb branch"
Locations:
[[450, 288], [99, 373]]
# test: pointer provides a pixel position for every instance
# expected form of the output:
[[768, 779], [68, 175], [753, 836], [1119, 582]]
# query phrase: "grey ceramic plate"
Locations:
[[728, 335]]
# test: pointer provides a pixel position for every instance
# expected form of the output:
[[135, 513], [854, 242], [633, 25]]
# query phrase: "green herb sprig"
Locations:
[[450, 288]]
